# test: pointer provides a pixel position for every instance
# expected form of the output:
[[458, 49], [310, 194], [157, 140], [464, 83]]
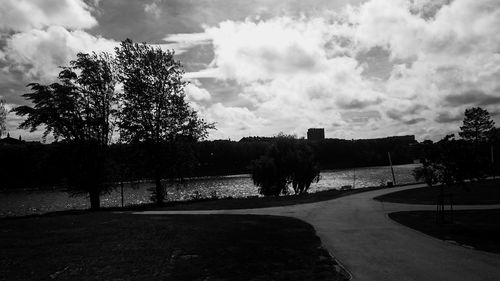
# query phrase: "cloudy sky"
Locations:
[[359, 69]]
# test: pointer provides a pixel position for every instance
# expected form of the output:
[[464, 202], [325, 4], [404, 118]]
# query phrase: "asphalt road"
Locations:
[[372, 247]]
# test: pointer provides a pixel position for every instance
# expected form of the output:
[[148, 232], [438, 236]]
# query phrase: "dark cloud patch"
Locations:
[[414, 121], [360, 116], [395, 115], [403, 115], [376, 63], [12, 87], [417, 108], [197, 57], [357, 103], [446, 117], [428, 10], [476, 97], [225, 92]]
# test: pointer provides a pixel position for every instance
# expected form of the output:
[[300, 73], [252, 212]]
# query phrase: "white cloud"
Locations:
[[24, 15], [195, 93], [181, 42], [153, 8], [232, 122], [38, 53], [306, 72]]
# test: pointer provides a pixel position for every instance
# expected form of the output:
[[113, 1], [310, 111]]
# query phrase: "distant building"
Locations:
[[316, 134]]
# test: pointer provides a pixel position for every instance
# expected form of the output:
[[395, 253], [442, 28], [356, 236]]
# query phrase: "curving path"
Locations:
[[372, 247]]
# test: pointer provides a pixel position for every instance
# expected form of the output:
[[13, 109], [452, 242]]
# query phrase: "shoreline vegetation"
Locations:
[[116, 185]]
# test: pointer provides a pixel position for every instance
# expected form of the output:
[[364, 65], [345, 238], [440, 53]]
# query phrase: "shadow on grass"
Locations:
[[479, 229], [107, 246], [476, 193]]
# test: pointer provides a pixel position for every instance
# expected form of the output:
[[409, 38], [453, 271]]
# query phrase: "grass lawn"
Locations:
[[484, 192], [107, 246], [477, 228]]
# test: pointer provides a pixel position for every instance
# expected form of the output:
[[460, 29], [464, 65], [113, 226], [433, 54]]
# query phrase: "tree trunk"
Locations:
[[159, 187], [95, 202]]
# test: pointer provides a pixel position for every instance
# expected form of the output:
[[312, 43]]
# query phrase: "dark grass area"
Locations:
[[477, 228], [107, 246], [475, 193]]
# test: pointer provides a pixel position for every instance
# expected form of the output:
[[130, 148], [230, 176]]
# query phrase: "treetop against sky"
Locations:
[[359, 69]]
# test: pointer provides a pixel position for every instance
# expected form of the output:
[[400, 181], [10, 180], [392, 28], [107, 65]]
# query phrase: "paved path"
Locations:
[[372, 247]]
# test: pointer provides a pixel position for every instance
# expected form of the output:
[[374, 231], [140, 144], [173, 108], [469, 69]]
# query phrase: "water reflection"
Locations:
[[35, 202]]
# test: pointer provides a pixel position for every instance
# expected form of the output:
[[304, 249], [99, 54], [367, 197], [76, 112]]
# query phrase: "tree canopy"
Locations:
[[288, 161], [78, 109], [477, 125], [153, 105]]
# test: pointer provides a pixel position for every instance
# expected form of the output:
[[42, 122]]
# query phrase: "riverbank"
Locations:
[[39, 201], [110, 246], [222, 203]]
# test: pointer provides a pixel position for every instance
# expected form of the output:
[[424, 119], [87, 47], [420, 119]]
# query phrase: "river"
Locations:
[[18, 203]]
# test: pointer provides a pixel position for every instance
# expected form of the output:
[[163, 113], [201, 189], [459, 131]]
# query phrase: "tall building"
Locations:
[[316, 134]]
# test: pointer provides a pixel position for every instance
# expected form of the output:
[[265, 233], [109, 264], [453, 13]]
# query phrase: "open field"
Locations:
[[484, 192], [107, 246]]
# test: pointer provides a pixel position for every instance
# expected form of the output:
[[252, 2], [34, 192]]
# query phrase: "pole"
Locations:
[[354, 178], [492, 161], [392, 169], [121, 191]]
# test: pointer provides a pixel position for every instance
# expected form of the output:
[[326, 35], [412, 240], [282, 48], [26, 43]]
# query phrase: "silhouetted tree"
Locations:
[[477, 125], [288, 161], [79, 110], [428, 173], [154, 109], [3, 115]]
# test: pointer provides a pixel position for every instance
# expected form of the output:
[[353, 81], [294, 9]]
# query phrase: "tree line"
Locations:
[[42, 165]]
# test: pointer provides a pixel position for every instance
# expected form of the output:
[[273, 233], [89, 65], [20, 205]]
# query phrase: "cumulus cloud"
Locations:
[[195, 93], [383, 67], [24, 15], [315, 69], [40, 36], [39, 53]]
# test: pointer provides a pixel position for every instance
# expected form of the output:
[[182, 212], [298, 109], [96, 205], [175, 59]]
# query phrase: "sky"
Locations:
[[359, 69]]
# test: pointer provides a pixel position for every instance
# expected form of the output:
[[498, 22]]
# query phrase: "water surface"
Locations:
[[16, 203]]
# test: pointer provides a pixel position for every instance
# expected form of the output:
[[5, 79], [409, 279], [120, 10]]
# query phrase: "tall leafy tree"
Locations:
[[477, 125], [79, 110], [288, 161], [3, 116], [153, 105]]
